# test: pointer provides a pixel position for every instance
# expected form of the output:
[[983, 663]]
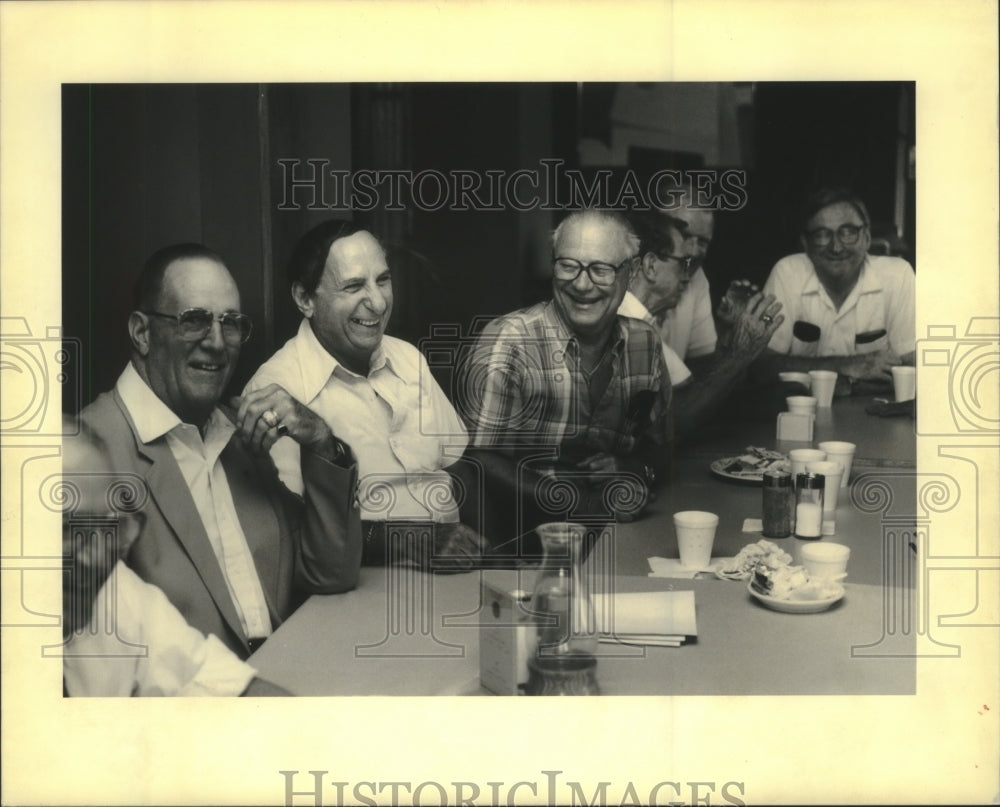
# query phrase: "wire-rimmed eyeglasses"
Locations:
[[195, 323]]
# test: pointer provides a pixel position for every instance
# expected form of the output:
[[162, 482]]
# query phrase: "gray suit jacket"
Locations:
[[299, 547]]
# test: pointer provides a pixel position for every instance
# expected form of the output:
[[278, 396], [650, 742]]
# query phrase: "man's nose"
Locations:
[[583, 281], [214, 339], [376, 300]]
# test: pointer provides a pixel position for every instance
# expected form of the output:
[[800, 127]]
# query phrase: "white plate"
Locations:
[[756, 477], [791, 606]]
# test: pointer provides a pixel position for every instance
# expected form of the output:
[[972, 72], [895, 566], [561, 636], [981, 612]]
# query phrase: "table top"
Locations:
[[880, 441], [404, 632]]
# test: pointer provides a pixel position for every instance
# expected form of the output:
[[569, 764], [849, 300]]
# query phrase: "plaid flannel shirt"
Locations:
[[525, 388]]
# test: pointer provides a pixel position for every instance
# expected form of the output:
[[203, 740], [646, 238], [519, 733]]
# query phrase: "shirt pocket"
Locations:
[[805, 338], [871, 341]]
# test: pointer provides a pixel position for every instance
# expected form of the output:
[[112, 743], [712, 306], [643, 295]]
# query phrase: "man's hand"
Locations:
[[871, 366], [454, 548], [608, 471], [754, 327], [735, 301], [264, 415]]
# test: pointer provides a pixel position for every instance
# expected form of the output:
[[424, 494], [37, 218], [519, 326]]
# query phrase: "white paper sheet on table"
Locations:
[[649, 617]]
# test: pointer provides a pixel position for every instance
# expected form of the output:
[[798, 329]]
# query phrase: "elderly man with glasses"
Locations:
[[226, 542], [846, 310], [669, 257], [568, 397]]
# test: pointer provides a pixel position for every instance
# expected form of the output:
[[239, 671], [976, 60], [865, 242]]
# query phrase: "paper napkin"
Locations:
[[649, 617], [671, 567]]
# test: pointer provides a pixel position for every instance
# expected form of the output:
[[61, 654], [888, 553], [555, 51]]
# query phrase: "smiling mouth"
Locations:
[[367, 323], [207, 367]]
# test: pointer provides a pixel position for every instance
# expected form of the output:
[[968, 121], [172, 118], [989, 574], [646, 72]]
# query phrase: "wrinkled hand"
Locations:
[[755, 326], [871, 366], [735, 301], [599, 466], [454, 548], [266, 414]]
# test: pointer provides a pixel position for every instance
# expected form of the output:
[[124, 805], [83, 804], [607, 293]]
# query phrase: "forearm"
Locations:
[[329, 560], [696, 401]]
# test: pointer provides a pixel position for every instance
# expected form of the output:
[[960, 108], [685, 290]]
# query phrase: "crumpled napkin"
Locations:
[[671, 567]]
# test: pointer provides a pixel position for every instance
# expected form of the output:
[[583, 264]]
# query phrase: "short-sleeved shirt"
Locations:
[[879, 312], [688, 327], [397, 420], [526, 388], [632, 307]]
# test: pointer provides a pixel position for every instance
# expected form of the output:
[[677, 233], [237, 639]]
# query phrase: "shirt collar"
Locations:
[[317, 364], [151, 416], [868, 281], [633, 307], [557, 325]]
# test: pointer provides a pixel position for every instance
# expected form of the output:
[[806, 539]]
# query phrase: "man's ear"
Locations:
[[138, 331], [648, 267], [303, 300]]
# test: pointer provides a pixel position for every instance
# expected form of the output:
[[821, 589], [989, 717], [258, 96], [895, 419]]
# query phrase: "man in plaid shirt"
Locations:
[[568, 403]]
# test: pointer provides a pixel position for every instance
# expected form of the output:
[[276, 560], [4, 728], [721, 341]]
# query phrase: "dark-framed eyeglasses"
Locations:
[[600, 273], [195, 323], [847, 234]]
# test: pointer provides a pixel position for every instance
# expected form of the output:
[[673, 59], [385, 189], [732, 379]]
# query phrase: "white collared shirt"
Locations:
[[137, 643], [883, 299], [632, 307], [689, 327], [398, 421], [201, 468]]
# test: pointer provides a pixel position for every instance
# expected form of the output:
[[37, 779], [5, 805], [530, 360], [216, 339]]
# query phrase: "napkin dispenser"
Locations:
[[795, 426], [504, 633]]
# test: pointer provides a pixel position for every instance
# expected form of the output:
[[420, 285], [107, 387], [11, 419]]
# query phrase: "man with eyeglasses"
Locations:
[[226, 542], [664, 269], [846, 310], [567, 390]]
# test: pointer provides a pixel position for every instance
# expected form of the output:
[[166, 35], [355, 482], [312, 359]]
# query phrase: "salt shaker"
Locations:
[[778, 504], [809, 505]]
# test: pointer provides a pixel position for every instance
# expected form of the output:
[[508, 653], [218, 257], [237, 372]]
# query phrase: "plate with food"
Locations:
[[790, 589], [750, 465]]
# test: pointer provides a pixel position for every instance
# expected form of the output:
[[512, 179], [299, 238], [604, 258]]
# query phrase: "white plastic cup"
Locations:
[[823, 384], [842, 452], [904, 381], [800, 457], [821, 559], [801, 404], [796, 378], [695, 536]]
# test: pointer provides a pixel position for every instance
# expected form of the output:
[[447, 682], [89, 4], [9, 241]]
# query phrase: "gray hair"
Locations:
[[629, 239]]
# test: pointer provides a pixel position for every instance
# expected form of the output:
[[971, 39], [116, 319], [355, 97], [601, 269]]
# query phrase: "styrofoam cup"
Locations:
[[825, 560], [831, 472], [695, 536], [904, 381], [842, 452], [800, 457], [801, 404], [823, 384]]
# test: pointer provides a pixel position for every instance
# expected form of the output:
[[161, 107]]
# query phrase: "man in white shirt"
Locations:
[[377, 393], [668, 257], [122, 636], [226, 542], [847, 310]]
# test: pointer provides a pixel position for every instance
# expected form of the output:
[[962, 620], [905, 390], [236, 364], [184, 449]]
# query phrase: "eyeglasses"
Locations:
[[847, 234], [600, 273], [195, 323]]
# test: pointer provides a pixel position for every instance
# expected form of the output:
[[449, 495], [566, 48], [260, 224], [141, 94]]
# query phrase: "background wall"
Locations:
[[149, 165]]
